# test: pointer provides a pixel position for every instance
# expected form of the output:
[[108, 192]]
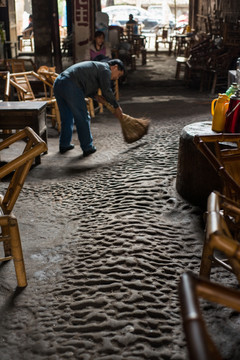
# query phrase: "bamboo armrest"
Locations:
[[20, 166], [17, 86], [7, 85], [39, 77], [34, 147], [33, 73], [191, 289]]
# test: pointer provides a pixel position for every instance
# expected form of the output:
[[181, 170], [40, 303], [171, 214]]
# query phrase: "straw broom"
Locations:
[[133, 129]]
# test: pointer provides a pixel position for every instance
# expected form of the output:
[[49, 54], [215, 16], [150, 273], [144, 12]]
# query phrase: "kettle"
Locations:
[[219, 108], [233, 114]]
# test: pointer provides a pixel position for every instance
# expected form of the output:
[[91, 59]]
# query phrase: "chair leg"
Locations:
[[206, 262], [144, 56], [6, 243], [58, 117], [91, 107], [99, 92], [53, 115], [133, 62], [156, 46], [235, 267], [17, 252], [214, 83]]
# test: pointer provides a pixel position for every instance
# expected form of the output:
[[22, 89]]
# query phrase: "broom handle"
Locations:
[[108, 106]]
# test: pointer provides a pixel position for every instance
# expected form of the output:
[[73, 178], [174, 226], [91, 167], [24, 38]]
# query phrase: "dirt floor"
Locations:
[[107, 237]]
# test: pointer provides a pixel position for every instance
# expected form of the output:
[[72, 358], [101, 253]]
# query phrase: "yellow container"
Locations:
[[219, 108]]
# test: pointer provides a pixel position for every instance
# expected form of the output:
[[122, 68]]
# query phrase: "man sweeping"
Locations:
[[70, 89]]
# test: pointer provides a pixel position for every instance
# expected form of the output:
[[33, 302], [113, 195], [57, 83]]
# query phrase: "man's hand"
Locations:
[[117, 111]]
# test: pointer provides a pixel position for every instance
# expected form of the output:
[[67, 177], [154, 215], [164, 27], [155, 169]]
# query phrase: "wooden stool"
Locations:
[[144, 56], [181, 66]]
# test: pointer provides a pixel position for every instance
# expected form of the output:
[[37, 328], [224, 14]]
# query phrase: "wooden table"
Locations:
[[16, 115]]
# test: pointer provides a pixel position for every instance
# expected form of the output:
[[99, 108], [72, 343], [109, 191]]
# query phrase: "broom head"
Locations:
[[133, 129]]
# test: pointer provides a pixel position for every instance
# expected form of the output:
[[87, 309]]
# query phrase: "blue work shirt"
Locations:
[[90, 76]]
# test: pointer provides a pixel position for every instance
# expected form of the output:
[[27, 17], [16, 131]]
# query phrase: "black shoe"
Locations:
[[90, 151], [62, 150]]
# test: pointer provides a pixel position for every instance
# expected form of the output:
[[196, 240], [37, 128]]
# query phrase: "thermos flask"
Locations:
[[219, 107], [232, 124]]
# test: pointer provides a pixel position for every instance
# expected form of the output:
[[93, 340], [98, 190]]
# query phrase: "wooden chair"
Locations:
[[17, 65], [181, 66], [222, 236], [223, 153], [120, 46], [27, 40], [25, 93], [162, 37], [17, 169], [191, 289], [49, 75], [137, 42]]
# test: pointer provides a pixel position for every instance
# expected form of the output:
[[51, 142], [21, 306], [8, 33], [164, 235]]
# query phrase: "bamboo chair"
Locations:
[[191, 288], [5, 75], [223, 153], [27, 40], [221, 236], [25, 93], [162, 37], [19, 65], [17, 169]]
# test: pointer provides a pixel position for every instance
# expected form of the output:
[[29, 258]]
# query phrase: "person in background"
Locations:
[[27, 31], [72, 86], [98, 50], [133, 22]]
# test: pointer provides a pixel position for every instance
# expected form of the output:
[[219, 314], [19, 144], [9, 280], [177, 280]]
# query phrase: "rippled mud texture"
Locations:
[[113, 294]]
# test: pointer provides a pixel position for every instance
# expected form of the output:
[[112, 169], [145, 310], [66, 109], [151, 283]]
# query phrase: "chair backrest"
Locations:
[[22, 80], [22, 84], [20, 65], [19, 167], [15, 65], [48, 74], [114, 35], [28, 34], [191, 288], [5, 75], [222, 236], [223, 153], [130, 31]]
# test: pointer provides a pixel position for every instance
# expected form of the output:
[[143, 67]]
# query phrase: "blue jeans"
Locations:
[[72, 106]]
